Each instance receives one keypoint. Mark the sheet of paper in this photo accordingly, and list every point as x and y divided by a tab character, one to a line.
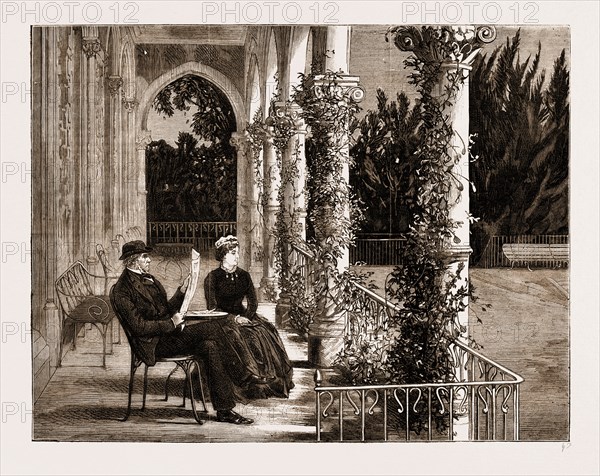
191	290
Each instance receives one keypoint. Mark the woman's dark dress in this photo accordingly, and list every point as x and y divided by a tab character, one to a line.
226	291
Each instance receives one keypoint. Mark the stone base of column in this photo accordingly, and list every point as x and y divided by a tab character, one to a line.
282	311
53	333
323	349
459	254
268	291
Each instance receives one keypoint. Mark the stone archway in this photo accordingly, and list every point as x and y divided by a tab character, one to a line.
144	136
198	69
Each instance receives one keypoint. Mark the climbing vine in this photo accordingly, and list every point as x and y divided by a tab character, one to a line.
328	107
257	133
428	288
282	131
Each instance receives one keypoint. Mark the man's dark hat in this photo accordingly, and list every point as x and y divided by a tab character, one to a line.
134	248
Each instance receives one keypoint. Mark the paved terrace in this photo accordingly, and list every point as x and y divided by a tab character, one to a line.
526	330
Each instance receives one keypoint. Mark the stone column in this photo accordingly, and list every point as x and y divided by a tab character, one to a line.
325	334
49	147
459	45
115	84
269	287
293	181
129	158
139	187
93	111
337	60
245	204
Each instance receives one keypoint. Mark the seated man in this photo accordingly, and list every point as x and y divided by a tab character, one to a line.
159	331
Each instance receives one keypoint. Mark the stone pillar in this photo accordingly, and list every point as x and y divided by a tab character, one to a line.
269	287
245	203
49	119
139	191
460	248
115	84
93	109
459	45
337	59
337	49
293	206
129	154
325	334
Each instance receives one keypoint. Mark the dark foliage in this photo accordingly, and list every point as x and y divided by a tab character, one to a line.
197	180
190	182
385	164
520	125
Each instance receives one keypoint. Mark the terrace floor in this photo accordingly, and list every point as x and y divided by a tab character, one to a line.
526	330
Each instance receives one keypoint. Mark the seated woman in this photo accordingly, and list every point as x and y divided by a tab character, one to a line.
225	289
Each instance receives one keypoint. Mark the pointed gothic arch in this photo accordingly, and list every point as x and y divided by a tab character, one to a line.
199	69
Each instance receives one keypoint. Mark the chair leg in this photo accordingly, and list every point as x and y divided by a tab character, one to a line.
104	332
110	335
74	343
117	331
167	383
60	347
185	382
131	377
145	386
188	375
185	387
205	409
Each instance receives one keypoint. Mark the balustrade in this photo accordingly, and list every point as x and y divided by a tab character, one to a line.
201	234
484	392
489	397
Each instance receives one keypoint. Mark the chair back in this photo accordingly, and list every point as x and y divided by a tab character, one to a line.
73	287
109	271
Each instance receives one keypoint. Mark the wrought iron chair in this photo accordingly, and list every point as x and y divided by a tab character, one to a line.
185	362
81	305
110	274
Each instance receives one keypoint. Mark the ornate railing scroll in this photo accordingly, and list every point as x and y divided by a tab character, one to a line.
485	392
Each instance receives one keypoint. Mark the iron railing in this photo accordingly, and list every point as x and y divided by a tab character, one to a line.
367	313
484	399
493	257
485	394
377	251
201	234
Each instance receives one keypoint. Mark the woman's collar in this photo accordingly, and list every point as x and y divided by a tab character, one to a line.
228	270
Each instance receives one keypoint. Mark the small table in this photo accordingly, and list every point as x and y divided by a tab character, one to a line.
195	316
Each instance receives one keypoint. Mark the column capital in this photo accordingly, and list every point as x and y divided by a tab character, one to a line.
91	46
445	44
240	140
344	86
114	84
291	113
129	104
